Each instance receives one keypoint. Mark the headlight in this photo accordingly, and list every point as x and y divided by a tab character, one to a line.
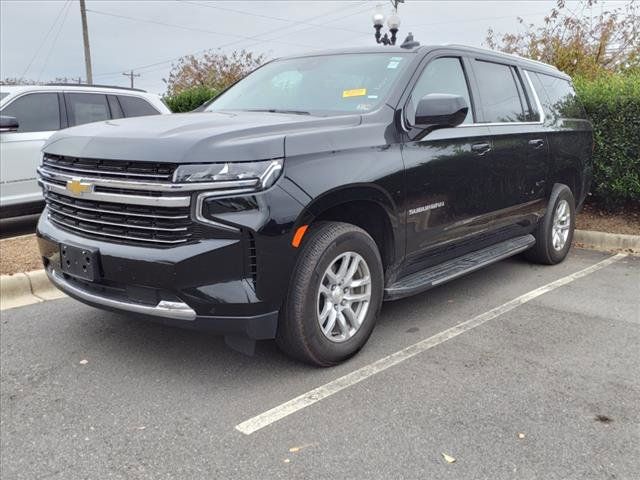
227	180
256	175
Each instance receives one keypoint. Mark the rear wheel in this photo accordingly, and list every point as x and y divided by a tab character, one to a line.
554	233
334	296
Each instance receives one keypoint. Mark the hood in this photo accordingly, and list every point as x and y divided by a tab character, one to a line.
191	137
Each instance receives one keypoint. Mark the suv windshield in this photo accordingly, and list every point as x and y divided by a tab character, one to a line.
323	84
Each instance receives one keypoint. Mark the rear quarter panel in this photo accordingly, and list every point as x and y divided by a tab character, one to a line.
571	148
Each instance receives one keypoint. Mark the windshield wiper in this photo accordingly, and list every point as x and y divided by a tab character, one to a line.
275	110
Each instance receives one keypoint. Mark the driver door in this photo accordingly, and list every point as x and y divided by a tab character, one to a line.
449	182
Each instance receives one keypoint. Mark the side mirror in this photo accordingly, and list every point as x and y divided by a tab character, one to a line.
8	124
440	110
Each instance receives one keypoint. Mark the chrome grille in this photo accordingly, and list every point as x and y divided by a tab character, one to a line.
125	201
117	169
127	223
121	201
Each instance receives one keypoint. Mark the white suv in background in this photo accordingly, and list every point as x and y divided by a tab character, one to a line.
30	114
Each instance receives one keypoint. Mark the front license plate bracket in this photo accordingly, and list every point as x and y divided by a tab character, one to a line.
80	262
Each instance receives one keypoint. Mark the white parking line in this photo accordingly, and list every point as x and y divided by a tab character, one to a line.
306	399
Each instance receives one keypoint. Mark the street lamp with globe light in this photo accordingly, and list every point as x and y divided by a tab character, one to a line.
393	22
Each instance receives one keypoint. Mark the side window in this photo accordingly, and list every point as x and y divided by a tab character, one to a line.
86	108
36	112
442	75
501	101
542	94
116	110
531	110
560	100
136	107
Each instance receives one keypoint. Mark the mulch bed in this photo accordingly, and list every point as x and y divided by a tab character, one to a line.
625	221
19	254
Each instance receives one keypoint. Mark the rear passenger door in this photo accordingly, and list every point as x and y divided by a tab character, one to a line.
520	146
569	133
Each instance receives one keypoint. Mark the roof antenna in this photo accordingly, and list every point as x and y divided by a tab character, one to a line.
409	42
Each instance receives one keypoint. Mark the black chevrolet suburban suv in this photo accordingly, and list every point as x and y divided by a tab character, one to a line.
314	189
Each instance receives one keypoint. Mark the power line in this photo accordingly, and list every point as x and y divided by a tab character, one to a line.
471	20
301	22
55	21
55	39
269	17
434	24
182	27
321	24
255	37
131	75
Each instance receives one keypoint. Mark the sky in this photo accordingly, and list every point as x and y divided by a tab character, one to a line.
42	39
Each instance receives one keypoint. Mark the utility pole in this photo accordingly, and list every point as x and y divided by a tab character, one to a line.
131	75
85	38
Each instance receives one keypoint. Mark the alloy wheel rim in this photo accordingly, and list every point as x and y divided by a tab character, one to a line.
344	296
561	225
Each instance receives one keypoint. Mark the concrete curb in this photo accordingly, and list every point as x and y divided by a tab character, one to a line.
15	291
41	287
26	288
607	241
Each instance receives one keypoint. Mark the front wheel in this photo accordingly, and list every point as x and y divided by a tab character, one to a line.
554	233
334	296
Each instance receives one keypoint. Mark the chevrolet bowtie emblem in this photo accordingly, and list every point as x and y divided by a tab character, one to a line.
78	187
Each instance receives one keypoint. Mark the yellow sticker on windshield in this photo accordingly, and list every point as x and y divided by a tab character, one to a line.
357	92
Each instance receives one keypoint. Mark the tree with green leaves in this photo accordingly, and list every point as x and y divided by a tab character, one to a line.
587	40
213	70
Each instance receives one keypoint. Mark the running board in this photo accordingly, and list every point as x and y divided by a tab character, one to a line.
456	267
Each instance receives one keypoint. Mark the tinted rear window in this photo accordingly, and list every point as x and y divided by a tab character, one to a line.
86	108
501	101
36	112
557	96
136	107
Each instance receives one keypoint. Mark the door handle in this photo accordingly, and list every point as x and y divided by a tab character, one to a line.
481	148
537	143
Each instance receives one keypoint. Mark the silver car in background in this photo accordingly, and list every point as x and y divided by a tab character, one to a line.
30	114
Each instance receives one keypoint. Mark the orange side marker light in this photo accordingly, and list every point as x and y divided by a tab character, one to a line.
297	238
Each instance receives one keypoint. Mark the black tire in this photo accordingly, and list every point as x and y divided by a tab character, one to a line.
544	251
299	332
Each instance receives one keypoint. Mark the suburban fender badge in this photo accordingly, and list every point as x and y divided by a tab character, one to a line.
426	208
78	187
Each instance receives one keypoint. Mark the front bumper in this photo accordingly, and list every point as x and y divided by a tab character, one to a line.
163	309
204	285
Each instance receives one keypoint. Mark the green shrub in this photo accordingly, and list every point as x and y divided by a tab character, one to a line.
613	105
190	99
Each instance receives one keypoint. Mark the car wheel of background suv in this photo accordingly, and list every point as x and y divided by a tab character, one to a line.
334	297
554	233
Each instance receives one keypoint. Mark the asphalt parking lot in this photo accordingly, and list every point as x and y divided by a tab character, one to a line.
549	389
